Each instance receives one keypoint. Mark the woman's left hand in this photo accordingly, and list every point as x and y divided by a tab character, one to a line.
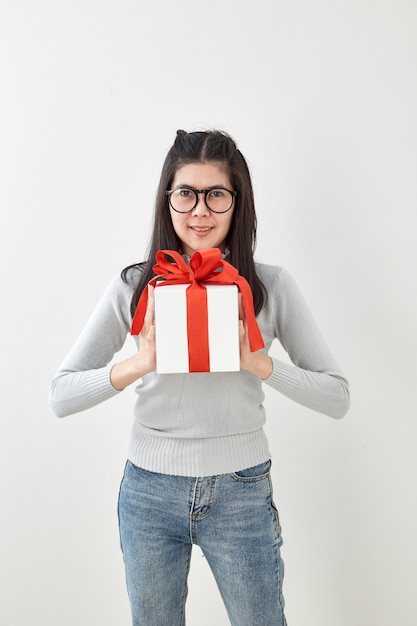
257	362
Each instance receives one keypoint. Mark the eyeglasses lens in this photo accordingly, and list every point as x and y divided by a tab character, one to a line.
218	200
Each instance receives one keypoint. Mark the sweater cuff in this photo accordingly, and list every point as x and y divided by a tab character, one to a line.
284	377
99	385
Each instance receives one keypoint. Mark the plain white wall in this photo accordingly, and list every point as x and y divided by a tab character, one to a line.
322	99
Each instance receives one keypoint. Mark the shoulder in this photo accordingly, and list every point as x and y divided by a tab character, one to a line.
279	284
270	275
119	291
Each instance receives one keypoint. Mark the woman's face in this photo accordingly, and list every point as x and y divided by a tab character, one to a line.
201	228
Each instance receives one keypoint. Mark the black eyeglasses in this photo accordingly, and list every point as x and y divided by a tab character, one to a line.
185	199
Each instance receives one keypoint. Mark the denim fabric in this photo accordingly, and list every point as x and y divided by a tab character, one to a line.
231	517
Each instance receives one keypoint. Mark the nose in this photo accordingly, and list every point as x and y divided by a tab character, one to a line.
201	207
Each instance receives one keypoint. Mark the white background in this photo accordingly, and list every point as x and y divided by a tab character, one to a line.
322	99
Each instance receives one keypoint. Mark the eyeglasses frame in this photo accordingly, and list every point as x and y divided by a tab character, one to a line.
197	192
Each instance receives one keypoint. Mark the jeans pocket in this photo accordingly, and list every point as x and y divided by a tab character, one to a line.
253	474
277	521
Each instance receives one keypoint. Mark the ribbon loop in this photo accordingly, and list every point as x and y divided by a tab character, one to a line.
206	267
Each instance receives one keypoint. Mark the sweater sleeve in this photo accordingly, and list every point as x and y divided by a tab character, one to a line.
313	379
83	379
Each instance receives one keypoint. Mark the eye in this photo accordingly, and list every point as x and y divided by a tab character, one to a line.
216	194
185	193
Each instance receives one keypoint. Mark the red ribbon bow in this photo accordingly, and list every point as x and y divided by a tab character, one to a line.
206	267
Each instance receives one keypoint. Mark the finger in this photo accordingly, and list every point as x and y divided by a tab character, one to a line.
241	310
243	332
149	315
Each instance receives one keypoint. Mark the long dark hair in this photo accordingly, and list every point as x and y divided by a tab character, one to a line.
206	147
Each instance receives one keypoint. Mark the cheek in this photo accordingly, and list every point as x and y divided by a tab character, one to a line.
176	220
229	223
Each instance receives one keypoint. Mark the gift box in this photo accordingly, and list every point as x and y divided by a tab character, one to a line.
214	345
197	313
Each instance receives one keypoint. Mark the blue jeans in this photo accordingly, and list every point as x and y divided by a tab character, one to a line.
231	517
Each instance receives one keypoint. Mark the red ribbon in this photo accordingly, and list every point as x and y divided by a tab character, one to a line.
206	267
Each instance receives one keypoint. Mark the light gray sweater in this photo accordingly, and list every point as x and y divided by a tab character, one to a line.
203	424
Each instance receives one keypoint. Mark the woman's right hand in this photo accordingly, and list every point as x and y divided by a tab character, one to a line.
144	361
146	355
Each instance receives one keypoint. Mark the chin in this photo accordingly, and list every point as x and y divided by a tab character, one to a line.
202	245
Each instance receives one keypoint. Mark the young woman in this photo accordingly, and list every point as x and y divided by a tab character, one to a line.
198	469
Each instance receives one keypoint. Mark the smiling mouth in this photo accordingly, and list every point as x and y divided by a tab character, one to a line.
201	229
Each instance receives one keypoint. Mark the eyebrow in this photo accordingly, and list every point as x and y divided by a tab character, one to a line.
206	189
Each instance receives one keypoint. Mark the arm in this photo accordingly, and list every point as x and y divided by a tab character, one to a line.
85	377
313	378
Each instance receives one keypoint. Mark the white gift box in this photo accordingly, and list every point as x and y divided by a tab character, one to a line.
171	328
